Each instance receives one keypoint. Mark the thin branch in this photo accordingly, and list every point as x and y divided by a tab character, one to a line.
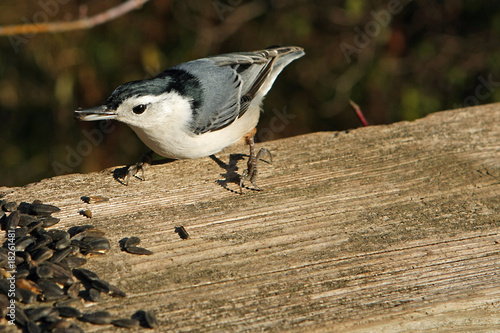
84	23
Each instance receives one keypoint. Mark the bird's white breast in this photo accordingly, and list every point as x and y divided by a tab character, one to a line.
171	137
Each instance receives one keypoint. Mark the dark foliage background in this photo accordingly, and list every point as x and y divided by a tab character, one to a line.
431	56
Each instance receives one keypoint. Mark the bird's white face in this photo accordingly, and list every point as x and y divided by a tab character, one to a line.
146	112
155	113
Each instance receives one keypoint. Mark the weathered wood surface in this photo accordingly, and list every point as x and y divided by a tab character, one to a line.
381	229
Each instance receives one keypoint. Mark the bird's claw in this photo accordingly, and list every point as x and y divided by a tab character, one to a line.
142	165
251	172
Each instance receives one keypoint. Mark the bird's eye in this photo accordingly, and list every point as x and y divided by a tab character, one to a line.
138	109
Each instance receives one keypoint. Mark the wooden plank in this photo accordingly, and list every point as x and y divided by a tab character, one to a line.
380	229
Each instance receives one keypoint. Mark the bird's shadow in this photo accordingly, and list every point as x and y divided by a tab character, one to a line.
230	176
119	174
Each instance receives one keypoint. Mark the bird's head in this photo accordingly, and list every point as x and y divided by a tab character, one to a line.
141	104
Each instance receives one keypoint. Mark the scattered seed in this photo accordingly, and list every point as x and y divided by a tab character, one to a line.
9	206
57	234
50	291
44	272
27	297
60	255
80	228
30	228
146	318
42	254
81	246
88	233
59	325
62	243
24	207
35	314
60	270
68	311
74	290
96	245
63	281
101	285
182	232
132	241
23	242
107	288
94	295
116	292
49	221
22	272
86	212
130	245
28	285
12	220
41	243
73	302
150	319
73	262
26	219
85	275
43	209
51	317
20	232
98	318
51	258
138	250
125	322
74	250
94	199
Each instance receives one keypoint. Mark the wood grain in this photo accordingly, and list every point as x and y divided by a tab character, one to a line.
380	229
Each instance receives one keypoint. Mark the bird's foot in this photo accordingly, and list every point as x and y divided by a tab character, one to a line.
251	173
142	165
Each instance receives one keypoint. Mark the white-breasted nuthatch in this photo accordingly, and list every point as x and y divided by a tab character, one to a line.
200	107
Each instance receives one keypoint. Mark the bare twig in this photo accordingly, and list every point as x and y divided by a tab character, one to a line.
359	113
84	23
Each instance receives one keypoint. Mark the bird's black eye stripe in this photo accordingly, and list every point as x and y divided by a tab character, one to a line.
138	109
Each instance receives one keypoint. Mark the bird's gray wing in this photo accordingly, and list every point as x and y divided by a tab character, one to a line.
253	69
229	84
223	87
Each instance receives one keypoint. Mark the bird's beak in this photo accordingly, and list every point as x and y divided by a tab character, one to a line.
96	113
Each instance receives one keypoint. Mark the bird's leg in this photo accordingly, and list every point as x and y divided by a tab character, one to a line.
142	165
251	172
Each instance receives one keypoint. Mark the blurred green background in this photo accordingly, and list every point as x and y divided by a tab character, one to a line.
398	60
